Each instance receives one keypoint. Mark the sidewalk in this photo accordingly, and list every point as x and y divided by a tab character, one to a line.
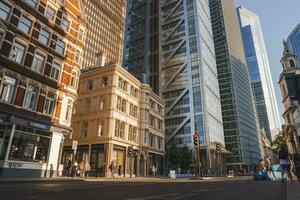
117	179
293	191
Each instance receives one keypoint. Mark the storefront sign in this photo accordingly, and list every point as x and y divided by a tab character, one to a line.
38	125
15	164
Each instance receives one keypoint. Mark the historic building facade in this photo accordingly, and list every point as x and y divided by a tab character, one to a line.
115	111
289	85
41	43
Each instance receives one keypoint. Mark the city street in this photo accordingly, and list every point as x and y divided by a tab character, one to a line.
221	189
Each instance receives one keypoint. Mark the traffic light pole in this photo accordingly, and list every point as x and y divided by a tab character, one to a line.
198	161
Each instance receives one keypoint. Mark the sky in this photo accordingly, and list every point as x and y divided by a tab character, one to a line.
278	18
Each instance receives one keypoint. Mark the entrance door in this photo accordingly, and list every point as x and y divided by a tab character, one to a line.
97	161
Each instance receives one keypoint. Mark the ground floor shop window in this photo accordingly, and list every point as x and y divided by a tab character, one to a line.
29	146
5	132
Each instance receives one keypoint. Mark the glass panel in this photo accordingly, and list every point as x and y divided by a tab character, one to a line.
8	88
38	63
17	52
25	24
44	37
4	11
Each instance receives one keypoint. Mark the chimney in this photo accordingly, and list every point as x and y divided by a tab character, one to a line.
100	59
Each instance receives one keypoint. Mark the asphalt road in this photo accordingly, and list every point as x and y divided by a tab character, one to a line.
105	190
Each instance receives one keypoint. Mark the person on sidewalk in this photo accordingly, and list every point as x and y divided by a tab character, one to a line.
112	169
269	167
284	163
75	168
87	168
68	167
51	170
120	170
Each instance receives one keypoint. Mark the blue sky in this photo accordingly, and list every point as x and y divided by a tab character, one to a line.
278	18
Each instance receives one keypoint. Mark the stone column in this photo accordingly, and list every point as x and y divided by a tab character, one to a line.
108	158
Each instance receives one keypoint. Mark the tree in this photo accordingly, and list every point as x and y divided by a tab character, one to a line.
280	141
178	157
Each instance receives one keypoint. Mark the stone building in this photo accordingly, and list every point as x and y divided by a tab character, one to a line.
114	111
289	81
41	43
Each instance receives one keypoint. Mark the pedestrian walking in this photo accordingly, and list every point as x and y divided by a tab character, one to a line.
120	170
87	168
51	171
269	167
81	169
75	168
112	169
68	167
284	163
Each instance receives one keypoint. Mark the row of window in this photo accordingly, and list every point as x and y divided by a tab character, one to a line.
120	131
123	84
103	82
17	54
8	89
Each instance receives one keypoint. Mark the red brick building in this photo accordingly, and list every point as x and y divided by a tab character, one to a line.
41	44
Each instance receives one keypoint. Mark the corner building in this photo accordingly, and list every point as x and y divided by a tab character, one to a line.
113	112
39	71
239	116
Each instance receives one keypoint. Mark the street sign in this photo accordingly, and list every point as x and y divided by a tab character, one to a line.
74	145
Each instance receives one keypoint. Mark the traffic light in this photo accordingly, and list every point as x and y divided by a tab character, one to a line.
196	140
130	150
218	147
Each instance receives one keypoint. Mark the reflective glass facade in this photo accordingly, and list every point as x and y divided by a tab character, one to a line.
188	79
260	74
294	42
240	130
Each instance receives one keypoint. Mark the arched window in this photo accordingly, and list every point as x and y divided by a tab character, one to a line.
292	64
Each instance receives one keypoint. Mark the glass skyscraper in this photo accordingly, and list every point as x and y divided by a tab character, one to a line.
239	117
293	42
260	74
187	71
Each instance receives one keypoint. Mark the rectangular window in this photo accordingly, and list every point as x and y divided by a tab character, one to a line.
32	3
44	37
8	88
84	128
4	11
30	98
80	34
100	128
50	13
77	56
17	52
104	81
38	63
90	84
60	47
145	136
73	82
30	145
134	133
55	71
25	24
122	130
69	110
119	103
117	128
65	23
123	106
49	104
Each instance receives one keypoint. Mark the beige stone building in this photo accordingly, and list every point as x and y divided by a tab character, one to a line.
113	112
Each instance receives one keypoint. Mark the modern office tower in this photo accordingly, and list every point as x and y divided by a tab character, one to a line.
105	31
141	51
116	112
39	71
188	80
260	73
293	41
239	117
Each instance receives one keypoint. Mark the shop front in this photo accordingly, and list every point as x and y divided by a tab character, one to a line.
25	148
118	157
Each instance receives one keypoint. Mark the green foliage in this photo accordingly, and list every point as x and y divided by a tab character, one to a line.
179	157
280	141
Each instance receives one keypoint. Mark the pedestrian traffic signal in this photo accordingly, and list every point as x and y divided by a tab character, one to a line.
218	147
196	140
